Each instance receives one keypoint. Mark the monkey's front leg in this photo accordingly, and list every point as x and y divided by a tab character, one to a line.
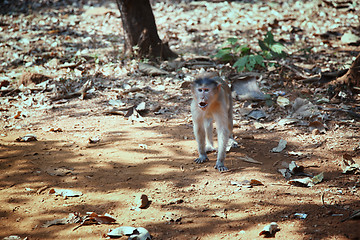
223	137
199	132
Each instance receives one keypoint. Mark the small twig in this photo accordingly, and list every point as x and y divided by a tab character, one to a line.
85	88
351	113
276	163
323	200
292	68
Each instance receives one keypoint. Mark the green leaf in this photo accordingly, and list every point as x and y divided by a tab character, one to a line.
263	46
251	63
232	41
223	53
241	63
269	38
259	60
277	47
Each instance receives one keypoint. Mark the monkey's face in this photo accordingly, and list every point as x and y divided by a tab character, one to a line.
204	96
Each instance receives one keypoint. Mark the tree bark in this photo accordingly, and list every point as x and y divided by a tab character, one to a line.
352	77
349	82
140	30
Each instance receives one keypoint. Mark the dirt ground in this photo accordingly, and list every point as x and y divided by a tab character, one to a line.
155	157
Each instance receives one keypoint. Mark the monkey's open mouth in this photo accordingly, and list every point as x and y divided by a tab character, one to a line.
203	104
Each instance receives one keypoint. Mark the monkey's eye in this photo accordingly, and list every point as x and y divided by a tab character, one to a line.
206	90
200	90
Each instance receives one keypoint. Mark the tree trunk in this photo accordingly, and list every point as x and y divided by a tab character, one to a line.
352	77
350	82
140	30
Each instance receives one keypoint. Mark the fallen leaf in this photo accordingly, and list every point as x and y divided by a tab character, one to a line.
133	115
139	233
17	115
151	70
116	103
318	178
55	130
60	171
95	139
65	192
143	146
98	11
349	165
250	160
102	219
142	201
12	237
281	146
307	182
28	78
141	107
94	218
270	230
254	182
121	231
282	101
303	108
222	213
246	88
257	114
27	138
317	125
349	37
287	121
300	215
72	218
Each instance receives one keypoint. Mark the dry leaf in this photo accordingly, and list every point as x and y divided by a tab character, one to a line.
72	218
254	182
307	182
139	233
27	138
270	230
246	88
142	201
65	192
300	215
250	160
349	165
281	146
317	125
102	219
282	101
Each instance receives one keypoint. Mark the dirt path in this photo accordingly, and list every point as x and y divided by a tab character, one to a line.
156	158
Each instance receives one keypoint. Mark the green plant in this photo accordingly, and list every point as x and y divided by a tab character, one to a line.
271	49
249	62
232	50
242	58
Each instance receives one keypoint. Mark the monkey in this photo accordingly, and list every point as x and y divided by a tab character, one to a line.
212	100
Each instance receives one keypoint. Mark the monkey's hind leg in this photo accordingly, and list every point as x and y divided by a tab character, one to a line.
209	147
223	137
199	132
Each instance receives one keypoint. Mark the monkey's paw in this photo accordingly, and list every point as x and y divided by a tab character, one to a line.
201	159
221	168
